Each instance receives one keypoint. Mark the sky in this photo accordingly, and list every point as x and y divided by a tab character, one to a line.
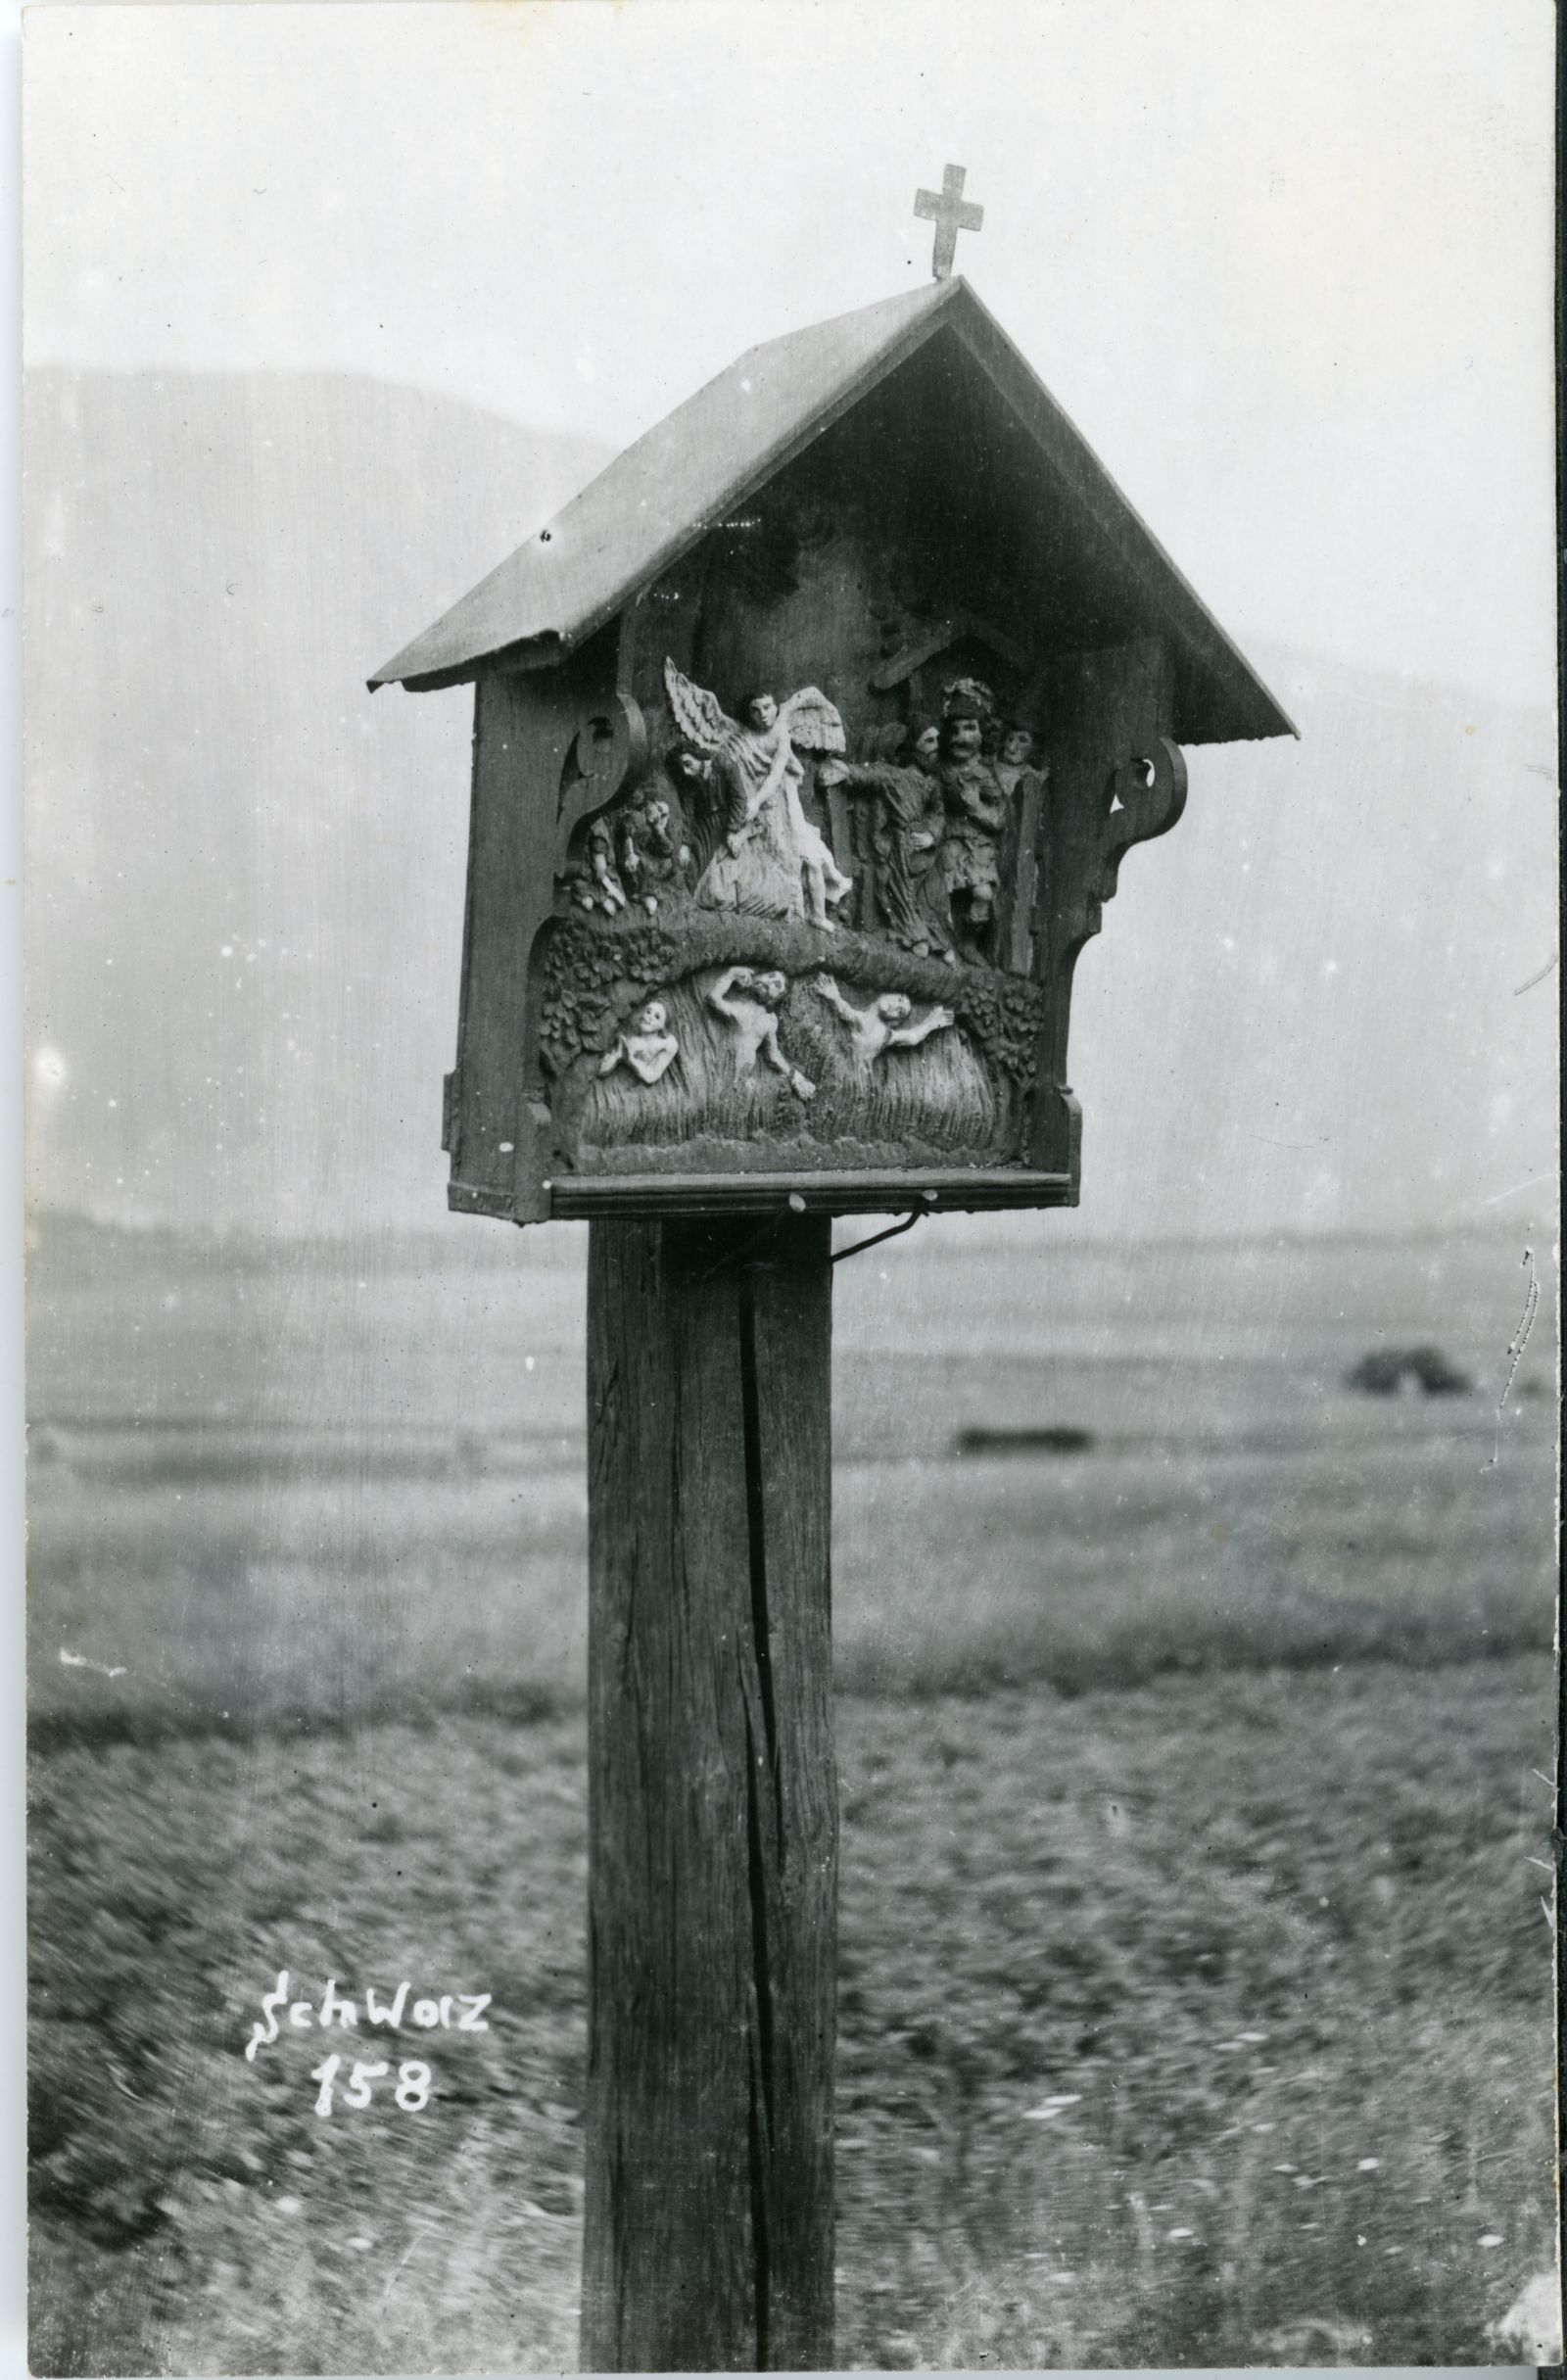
1288	267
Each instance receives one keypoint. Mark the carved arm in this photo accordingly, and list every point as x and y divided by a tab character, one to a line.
717	994
985	804
826	989
860	777
909	1036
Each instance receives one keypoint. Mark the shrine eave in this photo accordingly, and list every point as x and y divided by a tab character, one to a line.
687	473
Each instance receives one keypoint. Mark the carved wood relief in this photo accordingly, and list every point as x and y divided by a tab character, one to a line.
766	956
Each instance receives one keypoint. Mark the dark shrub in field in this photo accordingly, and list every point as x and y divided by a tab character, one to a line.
1387	1370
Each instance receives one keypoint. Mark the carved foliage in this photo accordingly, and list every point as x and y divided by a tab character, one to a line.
589	977
1004	1015
594	972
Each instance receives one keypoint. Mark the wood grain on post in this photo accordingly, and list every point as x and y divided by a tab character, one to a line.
713	1820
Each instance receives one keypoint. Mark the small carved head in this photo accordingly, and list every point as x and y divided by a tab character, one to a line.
1017	745
966	699
961	737
761	711
926	741
685	766
651	1016
893	1008
769	986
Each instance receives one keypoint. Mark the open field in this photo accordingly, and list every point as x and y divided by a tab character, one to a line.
331	1489
1195	1987
1243	1938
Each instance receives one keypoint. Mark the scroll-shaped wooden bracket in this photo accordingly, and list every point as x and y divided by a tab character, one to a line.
1147	795
607	754
1141	796
1116	779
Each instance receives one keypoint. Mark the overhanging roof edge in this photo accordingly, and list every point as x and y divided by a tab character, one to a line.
755	473
1124	515
429	661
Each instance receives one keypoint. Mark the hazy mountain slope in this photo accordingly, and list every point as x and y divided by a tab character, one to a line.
245	873
215	564
1309	997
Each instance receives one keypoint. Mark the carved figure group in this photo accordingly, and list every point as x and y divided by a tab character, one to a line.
629	858
650	863
907	838
730	830
595	881
942	822
768	859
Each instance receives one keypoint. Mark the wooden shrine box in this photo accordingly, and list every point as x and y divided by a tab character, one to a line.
808	741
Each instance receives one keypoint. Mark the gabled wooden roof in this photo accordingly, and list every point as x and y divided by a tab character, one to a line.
691	471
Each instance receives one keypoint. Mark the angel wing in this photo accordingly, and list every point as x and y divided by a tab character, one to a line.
698	715
812	723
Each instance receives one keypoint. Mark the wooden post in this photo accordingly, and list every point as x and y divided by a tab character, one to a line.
712	1799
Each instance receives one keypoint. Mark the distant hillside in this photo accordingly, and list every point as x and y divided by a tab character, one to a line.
214	566
1314	990
245	874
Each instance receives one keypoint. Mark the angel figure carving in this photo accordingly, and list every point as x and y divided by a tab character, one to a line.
770	861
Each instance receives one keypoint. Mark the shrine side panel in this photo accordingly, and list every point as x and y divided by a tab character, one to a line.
498	1128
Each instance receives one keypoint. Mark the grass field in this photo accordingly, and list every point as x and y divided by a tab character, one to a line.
1195	1971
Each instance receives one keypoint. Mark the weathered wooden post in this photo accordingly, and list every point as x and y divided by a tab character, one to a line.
713	1810
808	741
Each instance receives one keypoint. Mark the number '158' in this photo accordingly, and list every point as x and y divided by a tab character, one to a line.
412	2092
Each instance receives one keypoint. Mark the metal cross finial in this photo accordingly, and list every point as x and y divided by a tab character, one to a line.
947	209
